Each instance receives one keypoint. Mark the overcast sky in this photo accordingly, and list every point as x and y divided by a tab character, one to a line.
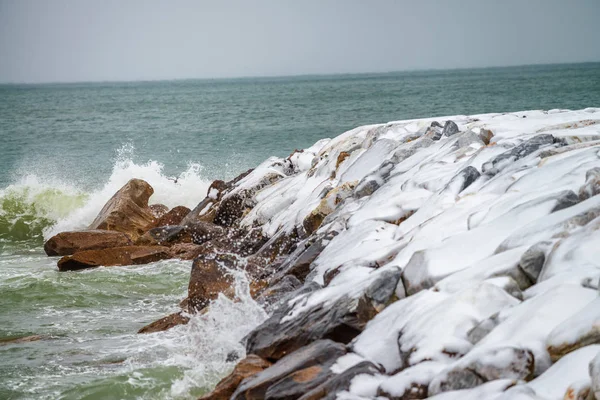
84	40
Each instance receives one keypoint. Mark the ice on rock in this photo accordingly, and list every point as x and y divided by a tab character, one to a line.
528	324
427	267
577	252
553	384
412	382
594	369
488	391
369	160
581	329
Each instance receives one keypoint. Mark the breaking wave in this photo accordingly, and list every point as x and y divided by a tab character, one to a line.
35	208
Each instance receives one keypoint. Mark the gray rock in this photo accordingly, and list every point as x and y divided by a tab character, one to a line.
330	388
591	187
277	337
532	261
481	330
379	294
321	353
370	183
450	128
274	293
516	153
595	376
462	179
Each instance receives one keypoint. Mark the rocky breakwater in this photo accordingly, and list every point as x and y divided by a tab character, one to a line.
448	258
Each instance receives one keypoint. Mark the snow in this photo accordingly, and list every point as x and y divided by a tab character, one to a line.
458	244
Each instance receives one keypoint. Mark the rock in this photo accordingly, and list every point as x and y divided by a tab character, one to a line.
277	337
164	236
516	153
173	217
165	323
246	368
201	232
487	365
580	390
298	383
380	294
595	376
210	276
481	330
158	210
580	330
298	264
486	136
329	203
67	243
433	133
329	390
450	128
591	187
239	241
322	353
128	255
274	293
370	183
186	251
411	383
205	210
341	158
22	339
532	261
463	179
127	211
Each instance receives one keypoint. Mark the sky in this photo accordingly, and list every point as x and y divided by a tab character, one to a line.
110	40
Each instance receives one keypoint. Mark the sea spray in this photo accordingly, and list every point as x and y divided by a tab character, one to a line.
213	341
187	189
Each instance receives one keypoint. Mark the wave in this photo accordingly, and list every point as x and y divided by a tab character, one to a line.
36	208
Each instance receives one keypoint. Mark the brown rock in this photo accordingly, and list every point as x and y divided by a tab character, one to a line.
186	251
165	323
486	136
201	232
67	243
128	255
209	277
341	157
246	368
127	211
168	235
158	210
173	217
321	353
329	389
22	339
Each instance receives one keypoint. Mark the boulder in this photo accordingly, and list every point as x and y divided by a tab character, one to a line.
486	136
595	375
516	153
201	232
591	187
278	335
205	210
321	353
173	217
580	330
158	210
164	236
210	276
410	383
128	255
329	389
487	365
329	203
67	243
186	251
127	211
244	369
165	323
379	294
450	128
274	293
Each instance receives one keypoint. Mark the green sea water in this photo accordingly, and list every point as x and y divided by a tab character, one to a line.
66	148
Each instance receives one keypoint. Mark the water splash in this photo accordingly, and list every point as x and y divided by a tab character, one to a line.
210	339
37	207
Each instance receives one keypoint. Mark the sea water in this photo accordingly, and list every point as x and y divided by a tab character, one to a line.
66	148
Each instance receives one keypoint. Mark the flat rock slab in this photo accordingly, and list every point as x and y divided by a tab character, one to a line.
321	353
246	368
127	255
165	323
67	243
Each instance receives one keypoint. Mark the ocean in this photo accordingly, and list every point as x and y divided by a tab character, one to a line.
66	148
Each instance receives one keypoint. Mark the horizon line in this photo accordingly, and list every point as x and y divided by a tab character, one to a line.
283	76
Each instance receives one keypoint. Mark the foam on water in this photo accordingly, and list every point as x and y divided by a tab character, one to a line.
38	206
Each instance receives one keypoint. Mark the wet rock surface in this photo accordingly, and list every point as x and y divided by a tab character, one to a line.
129	255
67	243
